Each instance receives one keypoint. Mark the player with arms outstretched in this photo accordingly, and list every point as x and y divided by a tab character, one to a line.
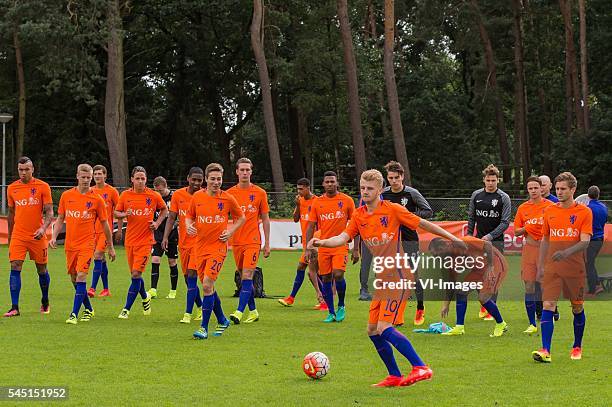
207	220
566	234
138	205
30	214
378	222
83	211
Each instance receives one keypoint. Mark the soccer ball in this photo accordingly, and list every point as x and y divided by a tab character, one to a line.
315	365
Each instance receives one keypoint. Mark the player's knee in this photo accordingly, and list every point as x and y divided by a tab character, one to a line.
16	265
155	259
192	273
99	256
577	307
338	275
81	277
247	274
208	287
41	268
373	330
136	274
172	262
484	297
549	305
326	278
530	287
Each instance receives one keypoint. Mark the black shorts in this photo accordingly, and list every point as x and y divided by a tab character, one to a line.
172	252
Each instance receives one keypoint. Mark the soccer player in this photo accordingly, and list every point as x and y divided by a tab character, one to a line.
487	266
489	215
528	223
566	233
246	243
412	200
110	195
378	222
330	214
30	214
600	217
138	205
546	186
303	202
207	220
83	210
179	205
161	186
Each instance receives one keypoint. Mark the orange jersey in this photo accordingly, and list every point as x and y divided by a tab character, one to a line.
531	217
110	196
81	213
180	203
562	227
142	207
254	203
305	205
28	201
331	216
211	216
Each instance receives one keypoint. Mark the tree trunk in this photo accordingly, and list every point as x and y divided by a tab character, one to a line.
520	112
570	53
583	65
392	98
114	107
296	126
22	96
492	81
257	42
353	89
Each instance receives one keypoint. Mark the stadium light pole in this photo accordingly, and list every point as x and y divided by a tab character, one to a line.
4	119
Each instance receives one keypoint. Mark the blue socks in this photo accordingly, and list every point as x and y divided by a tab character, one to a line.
132	292
530	307
245	294
328	296
341	290
252	306
43	281
461	308
579	322
208	302
192	293
491	307
15	286
104	275
142	291
297	283
403	345
386	354
547	326
79	296
218	310
97	271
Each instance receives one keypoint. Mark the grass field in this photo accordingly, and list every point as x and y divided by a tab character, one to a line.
153	360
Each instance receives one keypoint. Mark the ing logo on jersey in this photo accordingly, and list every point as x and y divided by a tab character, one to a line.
220	206
252	198
572	219
148	201
340	204
384	221
494	203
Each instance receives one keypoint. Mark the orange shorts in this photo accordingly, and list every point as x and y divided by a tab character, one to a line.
207	265
138	257
100	242
185	256
78	261
391	311
331	261
529	262
246	256
572	284
37	249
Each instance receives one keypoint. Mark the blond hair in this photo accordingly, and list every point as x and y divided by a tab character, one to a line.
567	177
213	167
373	176
490	170
84	168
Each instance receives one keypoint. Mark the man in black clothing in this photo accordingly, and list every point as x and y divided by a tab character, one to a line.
161	186
489	215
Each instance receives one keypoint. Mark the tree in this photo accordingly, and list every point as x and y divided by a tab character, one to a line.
392	97
353	90
114	104
257	42
570	63
21	120
583	64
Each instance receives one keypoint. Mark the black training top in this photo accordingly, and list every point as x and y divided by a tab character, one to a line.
411	199
489	214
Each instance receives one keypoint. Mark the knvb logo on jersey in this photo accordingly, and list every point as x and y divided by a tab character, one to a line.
105	196
384	221
572	219
340	204
494	203
33	191
220	206
88	204
148	201
252	198
212	219
404	201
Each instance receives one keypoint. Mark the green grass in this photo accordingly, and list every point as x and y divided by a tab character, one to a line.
153	360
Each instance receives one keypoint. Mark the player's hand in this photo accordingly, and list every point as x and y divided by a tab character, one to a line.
314	242
460	244
488	238
297	200
225	236
266	250
164	244
191	230
111	253
53	244
444	311
39	233
118	236
539	272
153	225
559	255
355	256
